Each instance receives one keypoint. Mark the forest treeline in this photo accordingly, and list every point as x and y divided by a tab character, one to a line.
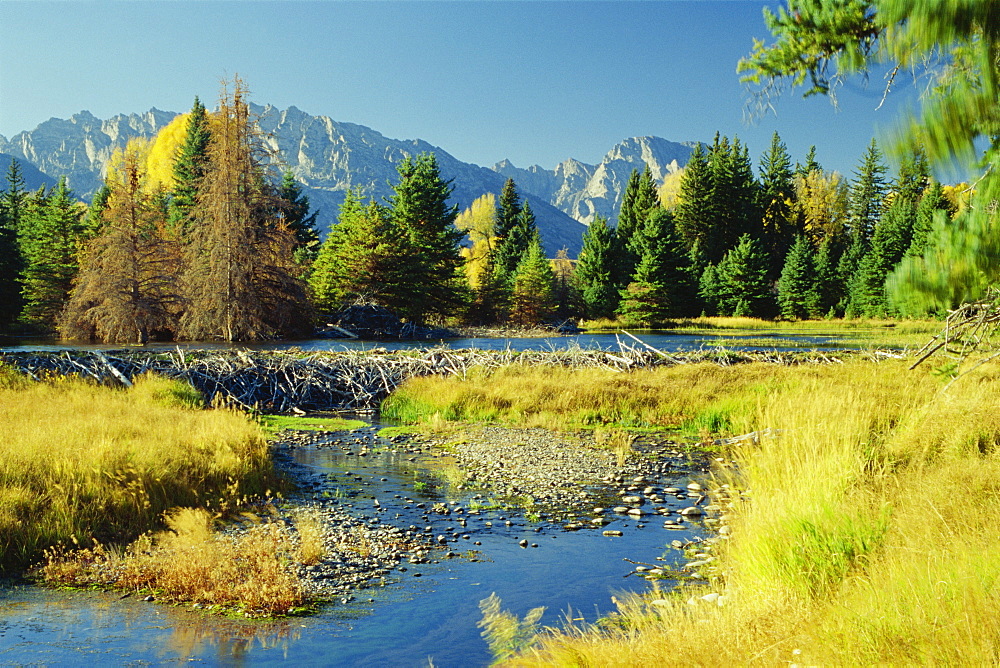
195	236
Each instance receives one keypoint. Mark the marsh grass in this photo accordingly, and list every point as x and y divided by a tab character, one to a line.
867	534
80	462
690	395
311	545
190	562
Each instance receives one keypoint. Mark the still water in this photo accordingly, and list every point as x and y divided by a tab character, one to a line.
668	342
413	621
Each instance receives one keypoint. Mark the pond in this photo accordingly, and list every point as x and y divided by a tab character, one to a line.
665	341
425	614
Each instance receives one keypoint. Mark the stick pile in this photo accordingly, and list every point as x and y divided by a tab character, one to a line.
278	382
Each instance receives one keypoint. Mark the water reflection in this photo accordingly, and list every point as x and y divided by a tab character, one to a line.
666	341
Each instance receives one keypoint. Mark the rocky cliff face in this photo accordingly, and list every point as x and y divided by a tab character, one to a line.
585	191
330	157
78	148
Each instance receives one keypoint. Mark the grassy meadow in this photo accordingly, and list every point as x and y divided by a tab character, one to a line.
81	463
866	534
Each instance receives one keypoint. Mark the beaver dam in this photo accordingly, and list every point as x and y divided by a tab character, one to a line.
289	381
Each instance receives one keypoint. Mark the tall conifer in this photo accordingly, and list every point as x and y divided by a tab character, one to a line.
420	207
240	280
189	166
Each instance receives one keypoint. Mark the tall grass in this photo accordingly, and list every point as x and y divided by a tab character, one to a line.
692	396
250	572
867	534
80	462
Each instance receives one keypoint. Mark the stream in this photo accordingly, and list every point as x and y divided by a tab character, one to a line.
424	615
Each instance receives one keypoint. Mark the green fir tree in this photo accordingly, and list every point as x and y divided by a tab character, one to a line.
797	294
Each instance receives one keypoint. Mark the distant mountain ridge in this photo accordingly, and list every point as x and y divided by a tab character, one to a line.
329	157
585	191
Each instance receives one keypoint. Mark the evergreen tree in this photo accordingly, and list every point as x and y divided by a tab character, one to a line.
368	258
420	207
797	295
660	287
11	263
240	281
868	190
810	165
742	285
595	270
889	243
830	290
49	234
694	212
516	230
638	202
933	204
532	295
127	285
189	166
93	220
295	212
777	192
734	192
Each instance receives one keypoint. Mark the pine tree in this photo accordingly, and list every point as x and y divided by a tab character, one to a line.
810	165
127	285
743	288
366	258
294	210
889	243
830	291
532	295
11	263
49	235
595	270
420	207
240	281
933	204
189	167
638	202
777	192
660	285
694	212
516	230
736	194
797	295
868	190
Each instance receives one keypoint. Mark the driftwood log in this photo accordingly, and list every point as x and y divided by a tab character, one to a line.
278	382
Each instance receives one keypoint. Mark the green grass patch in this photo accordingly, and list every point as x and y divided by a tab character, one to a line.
276	423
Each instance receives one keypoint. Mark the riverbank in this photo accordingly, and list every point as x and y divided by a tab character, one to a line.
867	534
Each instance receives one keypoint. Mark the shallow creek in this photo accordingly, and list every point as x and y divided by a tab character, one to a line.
425	613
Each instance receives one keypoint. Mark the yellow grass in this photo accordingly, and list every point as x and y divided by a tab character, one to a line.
250	572
867	534
81	462
695	396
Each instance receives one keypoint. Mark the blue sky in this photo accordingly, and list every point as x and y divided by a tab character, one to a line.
535	82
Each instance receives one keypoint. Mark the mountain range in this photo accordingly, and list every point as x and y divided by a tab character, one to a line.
329	157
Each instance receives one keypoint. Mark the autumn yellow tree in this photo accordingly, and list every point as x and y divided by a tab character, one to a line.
241	282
